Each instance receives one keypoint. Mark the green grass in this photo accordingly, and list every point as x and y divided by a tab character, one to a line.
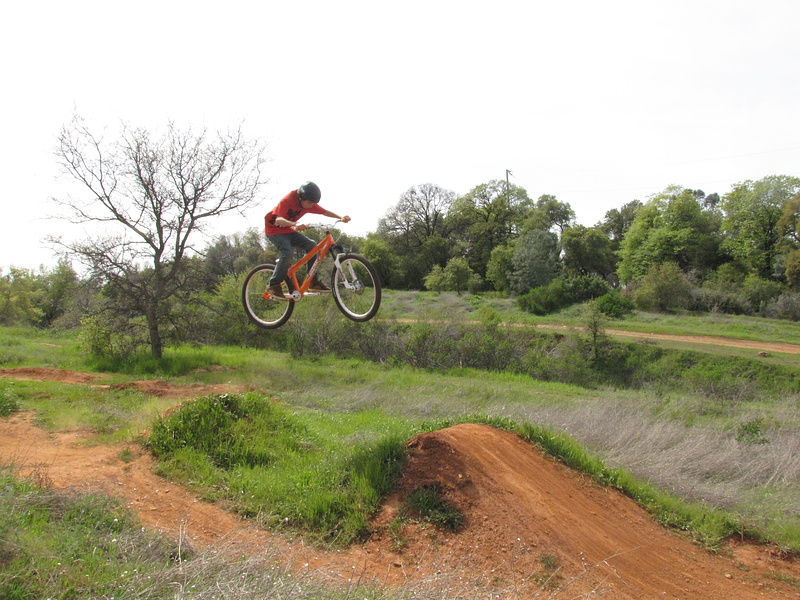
63	545
24	347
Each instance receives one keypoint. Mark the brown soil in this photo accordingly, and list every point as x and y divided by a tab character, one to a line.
530	522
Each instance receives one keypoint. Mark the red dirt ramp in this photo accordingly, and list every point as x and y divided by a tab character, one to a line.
525	511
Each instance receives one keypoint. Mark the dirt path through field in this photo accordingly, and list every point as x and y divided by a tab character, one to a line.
530	522
759	346
710	340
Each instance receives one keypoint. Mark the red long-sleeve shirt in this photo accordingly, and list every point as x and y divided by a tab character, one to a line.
291	209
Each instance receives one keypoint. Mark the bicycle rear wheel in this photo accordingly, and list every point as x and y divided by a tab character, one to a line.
262	309
356	288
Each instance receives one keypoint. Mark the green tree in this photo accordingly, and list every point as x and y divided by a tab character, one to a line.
457	274
58	290
588	251
617	222
385	261
20	293
672	227
237	253
152	194
755	222
435	280
789	225
419	215
536	260
791	268
500	266
488	216
549	214
417	231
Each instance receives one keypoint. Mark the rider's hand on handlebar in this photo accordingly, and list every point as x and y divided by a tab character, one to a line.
301	227
345	219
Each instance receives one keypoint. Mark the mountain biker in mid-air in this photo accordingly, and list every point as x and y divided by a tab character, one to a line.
280	225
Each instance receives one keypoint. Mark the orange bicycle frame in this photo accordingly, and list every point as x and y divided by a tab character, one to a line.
320	249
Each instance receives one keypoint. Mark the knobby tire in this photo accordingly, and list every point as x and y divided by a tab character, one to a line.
264	312
356	288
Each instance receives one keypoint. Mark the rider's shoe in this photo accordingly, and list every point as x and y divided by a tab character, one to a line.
275	291
318	286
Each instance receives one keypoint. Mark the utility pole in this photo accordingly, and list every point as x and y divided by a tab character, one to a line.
508	191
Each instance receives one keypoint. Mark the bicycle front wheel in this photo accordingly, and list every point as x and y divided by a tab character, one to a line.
356	288
262	309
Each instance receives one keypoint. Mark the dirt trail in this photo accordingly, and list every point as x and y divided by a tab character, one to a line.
529	522
784	347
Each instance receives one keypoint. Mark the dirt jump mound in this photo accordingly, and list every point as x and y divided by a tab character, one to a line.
534	523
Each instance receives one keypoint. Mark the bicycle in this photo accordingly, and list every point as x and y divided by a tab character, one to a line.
354	285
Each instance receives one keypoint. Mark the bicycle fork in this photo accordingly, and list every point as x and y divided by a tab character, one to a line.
348	275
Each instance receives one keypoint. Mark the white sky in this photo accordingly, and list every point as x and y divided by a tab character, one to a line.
597	103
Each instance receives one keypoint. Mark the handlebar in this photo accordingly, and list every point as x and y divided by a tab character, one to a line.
319	225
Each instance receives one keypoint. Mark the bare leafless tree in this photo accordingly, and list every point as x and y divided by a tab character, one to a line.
419	215
148	196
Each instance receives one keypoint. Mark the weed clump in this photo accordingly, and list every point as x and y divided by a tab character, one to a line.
9	399
428	503
267	464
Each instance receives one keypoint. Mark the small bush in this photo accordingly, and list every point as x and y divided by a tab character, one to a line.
664	288
561	293
9	399
231	430
105	337
586	287
546	299
710	299
760	292
614	305
752	432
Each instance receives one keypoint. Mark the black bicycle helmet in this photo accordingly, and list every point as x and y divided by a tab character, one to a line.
309	191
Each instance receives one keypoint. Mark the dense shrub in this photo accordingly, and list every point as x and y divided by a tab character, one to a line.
216	425
546	299
786	306
614	305
759	292
711	299
664	288
586	287
561	293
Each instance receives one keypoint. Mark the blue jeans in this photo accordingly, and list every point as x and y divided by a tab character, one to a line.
285	243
